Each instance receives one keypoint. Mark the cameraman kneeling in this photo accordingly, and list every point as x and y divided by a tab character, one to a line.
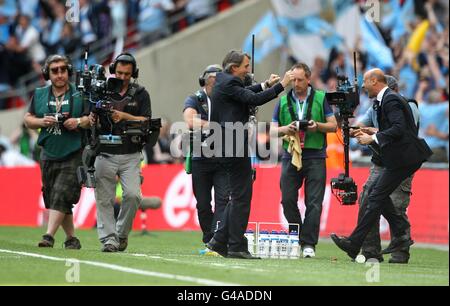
123	160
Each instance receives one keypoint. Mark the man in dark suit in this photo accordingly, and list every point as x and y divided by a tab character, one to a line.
400	151
230	109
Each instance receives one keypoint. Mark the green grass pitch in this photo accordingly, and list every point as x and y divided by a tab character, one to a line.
172	258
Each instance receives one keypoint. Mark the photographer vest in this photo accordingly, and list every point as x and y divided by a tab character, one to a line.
315	111
58	146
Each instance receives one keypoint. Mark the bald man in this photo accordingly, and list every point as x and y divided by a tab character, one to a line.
402	153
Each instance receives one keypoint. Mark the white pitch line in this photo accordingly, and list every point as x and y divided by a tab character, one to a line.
221	265
200	281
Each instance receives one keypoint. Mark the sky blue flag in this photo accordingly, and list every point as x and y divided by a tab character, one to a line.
316	25
267	37
399	16
380	55
312	25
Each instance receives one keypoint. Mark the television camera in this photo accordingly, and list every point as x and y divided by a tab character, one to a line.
99	92
346	99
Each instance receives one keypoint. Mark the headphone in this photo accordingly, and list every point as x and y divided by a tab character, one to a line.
209	69
56	58
126	58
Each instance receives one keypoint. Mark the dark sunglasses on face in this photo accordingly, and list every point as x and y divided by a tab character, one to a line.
61	69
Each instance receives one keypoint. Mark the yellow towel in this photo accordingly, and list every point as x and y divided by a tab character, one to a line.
295	149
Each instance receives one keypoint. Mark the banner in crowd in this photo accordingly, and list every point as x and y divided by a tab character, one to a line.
22	203
308	28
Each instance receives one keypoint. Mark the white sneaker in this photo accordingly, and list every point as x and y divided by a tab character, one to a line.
308	252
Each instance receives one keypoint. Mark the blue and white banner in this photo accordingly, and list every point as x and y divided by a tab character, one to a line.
267	37
379	54
312	28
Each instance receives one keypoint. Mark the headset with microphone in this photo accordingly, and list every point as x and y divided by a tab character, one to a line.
210	69
52	59
125	58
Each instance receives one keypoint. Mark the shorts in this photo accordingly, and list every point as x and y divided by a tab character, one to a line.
60	187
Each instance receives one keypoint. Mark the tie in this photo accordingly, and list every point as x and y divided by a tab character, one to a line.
376	105
377	108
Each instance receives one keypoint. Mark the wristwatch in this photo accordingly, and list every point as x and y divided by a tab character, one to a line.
78	122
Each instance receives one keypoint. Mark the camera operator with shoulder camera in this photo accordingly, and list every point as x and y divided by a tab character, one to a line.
371	247
303	117
122	159
58	111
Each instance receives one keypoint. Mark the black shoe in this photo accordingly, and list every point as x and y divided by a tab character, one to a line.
72	244
398	244
219	248
123	243
399	259
242	255
109	248
46	242
345	245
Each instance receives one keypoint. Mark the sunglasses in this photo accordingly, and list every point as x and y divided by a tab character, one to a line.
61	69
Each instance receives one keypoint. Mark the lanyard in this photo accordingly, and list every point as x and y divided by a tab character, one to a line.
301	110
56	102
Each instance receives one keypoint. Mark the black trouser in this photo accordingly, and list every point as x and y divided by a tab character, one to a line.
238	172
379	202
400	198
205	175
313	173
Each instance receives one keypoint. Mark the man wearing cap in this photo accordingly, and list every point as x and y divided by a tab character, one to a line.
400	197
196	114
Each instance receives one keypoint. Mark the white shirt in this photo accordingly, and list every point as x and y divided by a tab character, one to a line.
381	94
379	98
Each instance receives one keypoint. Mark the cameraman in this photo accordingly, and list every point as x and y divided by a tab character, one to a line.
309	107
123	160
57	110
204	171
400	197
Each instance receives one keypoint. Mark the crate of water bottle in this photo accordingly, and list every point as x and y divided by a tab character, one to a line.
274	240
252	237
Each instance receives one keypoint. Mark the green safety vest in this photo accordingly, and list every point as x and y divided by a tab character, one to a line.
58	146
313	140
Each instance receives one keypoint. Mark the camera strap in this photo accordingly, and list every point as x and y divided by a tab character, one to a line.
309	103
290	103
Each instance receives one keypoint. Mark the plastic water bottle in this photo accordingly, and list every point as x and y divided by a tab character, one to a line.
274	244
250	235
294	245
283	245
263	250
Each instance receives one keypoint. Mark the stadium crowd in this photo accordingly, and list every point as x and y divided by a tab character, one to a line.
32	30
